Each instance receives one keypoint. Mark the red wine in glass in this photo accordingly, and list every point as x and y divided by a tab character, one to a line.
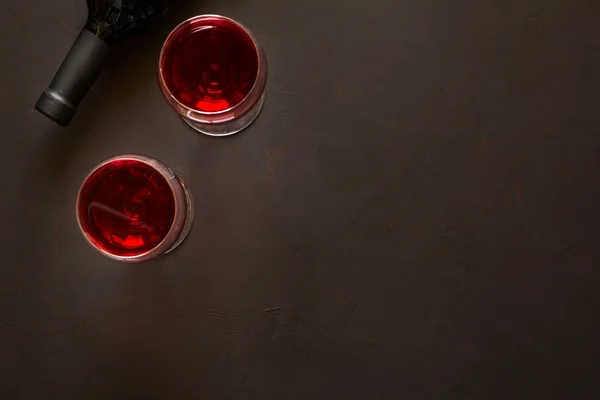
213	72
133	208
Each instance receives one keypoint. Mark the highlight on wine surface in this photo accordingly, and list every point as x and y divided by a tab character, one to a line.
108	21
213	72
133	208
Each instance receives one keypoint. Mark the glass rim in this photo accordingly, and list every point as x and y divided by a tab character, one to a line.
233	112
180	199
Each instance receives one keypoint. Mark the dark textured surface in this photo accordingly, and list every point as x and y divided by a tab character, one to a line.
414	215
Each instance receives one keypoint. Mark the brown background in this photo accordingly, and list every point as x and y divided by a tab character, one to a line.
414	215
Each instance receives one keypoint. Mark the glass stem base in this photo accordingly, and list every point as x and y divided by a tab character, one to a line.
189	218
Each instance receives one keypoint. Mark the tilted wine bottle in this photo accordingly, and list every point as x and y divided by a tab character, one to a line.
108	21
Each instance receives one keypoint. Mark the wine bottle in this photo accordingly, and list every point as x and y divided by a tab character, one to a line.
108	21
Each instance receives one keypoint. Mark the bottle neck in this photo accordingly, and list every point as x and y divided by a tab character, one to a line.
79	70
108	21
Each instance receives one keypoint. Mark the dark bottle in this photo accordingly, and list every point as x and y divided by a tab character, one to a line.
107	22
